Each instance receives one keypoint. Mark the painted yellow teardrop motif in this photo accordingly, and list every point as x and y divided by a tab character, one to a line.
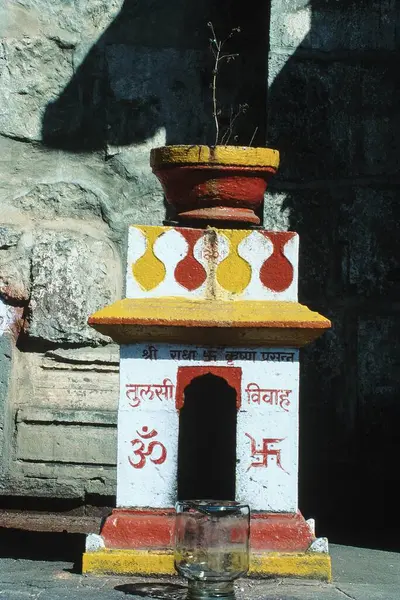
148	270
234	272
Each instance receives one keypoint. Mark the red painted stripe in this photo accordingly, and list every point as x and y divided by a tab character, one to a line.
280	532
148	528
139	529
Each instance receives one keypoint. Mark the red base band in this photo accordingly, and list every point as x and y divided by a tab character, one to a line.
154	528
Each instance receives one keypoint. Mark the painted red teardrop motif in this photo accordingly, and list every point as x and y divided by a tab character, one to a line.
277	272
189	272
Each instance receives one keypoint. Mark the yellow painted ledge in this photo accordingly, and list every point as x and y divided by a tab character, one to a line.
309	565
243	156
212	322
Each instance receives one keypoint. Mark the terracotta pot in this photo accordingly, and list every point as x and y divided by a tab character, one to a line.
221	183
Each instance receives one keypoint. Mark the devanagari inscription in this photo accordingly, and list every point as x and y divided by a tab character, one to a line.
142	392
277	356
250	355
183	354
210	355
150	353
269	396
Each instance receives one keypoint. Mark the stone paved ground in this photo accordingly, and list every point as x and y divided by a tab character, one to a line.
359	574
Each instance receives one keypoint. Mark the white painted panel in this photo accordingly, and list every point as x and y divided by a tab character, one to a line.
267	436
256	249
269	411
137	245
291	251
147	384
147	458
171	247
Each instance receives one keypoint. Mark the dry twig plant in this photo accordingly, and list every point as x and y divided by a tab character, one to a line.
216	47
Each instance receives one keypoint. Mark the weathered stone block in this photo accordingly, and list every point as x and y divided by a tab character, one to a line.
149	89
63	479
378	390
313	214
5	374
60	199
78	378
276	211
72	276
9	327
379	377
74	437
33	71
14	265
132	163
369	234
67	21
290	23
82	191
333	120
339	25
9	236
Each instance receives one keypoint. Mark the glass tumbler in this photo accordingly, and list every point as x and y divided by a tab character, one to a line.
211	546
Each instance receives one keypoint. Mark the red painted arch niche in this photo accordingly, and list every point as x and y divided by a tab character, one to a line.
232	376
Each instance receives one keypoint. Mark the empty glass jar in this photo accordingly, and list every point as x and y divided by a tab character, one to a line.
211	546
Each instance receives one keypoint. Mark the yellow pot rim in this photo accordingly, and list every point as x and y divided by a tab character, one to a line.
242	156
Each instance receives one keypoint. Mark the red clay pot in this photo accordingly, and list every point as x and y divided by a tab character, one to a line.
221	183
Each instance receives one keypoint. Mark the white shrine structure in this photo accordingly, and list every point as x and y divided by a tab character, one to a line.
210	332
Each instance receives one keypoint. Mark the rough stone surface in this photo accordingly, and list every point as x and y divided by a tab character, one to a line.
358	573
5	372
371	241
86	379
24	92
323	102
327	27
61	403
14	264
86	89
65	266
37	442
331	111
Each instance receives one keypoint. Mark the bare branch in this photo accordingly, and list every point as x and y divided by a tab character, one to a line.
228	133
216	50
228	56
253	136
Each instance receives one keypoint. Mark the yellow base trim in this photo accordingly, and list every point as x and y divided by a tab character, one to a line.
128	562
309	565
209	313
241	323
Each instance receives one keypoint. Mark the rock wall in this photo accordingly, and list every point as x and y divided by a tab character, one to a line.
333	112
87	88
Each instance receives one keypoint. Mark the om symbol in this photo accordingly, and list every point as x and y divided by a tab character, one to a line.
141	453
